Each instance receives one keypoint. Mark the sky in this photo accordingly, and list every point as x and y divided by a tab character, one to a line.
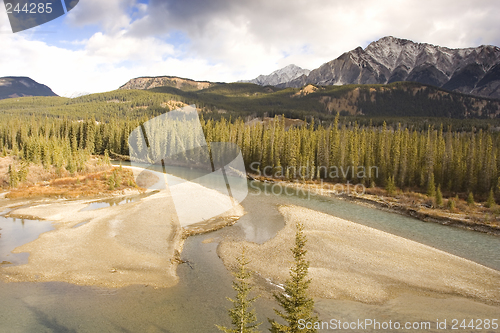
101	44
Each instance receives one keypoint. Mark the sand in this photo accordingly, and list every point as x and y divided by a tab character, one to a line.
117	246
357	263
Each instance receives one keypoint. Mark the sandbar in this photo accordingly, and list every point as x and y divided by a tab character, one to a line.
349	261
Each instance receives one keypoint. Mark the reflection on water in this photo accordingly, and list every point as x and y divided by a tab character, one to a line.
16	232
116	201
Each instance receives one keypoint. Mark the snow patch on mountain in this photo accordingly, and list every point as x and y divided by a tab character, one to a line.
279	76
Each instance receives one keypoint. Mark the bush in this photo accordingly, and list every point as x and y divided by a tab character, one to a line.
451	204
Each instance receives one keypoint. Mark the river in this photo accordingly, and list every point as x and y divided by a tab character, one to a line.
198	301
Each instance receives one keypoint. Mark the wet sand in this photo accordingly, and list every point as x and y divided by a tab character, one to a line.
136	243
110	247
357	263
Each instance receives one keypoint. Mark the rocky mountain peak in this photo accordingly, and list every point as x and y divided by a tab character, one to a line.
279	76
474	70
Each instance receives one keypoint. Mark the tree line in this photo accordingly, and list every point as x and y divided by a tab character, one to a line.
459	162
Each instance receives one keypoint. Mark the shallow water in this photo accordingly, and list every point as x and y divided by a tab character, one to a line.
16	232
198	301
112	202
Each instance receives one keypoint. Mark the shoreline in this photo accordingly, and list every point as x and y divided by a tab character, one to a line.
372	269
390	204
138	243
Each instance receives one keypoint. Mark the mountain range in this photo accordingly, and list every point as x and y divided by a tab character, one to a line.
148	82
21	86
474	70
390	77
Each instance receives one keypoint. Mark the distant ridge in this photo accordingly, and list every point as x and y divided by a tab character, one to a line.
474	70
21	86
148	82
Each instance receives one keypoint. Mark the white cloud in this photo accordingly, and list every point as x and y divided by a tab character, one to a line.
229	40
111	15
120	47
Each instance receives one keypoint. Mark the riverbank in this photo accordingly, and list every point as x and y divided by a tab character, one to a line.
410	204
110	247
139	242
353	262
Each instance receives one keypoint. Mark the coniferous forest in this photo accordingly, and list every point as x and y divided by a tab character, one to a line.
458	161
460	155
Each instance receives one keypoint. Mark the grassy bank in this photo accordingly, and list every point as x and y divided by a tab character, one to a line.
96	179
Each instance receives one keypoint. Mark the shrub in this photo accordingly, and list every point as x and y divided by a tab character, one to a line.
390	186
451	204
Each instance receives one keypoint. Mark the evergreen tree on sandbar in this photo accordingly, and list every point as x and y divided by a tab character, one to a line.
294	299
243	317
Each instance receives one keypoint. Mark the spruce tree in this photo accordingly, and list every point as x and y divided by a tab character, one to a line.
13	177
431	187
439	197
243	317
294	299
390	187
71	165
451	204
470	199
491	199
111	182
118	178
23	172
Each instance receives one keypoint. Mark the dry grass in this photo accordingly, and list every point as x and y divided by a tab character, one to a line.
50	182
91	184
38	173
477	212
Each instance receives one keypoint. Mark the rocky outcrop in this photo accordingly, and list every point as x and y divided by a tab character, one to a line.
143	83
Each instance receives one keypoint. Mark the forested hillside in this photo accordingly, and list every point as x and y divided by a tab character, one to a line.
457	161
409	103
460	154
